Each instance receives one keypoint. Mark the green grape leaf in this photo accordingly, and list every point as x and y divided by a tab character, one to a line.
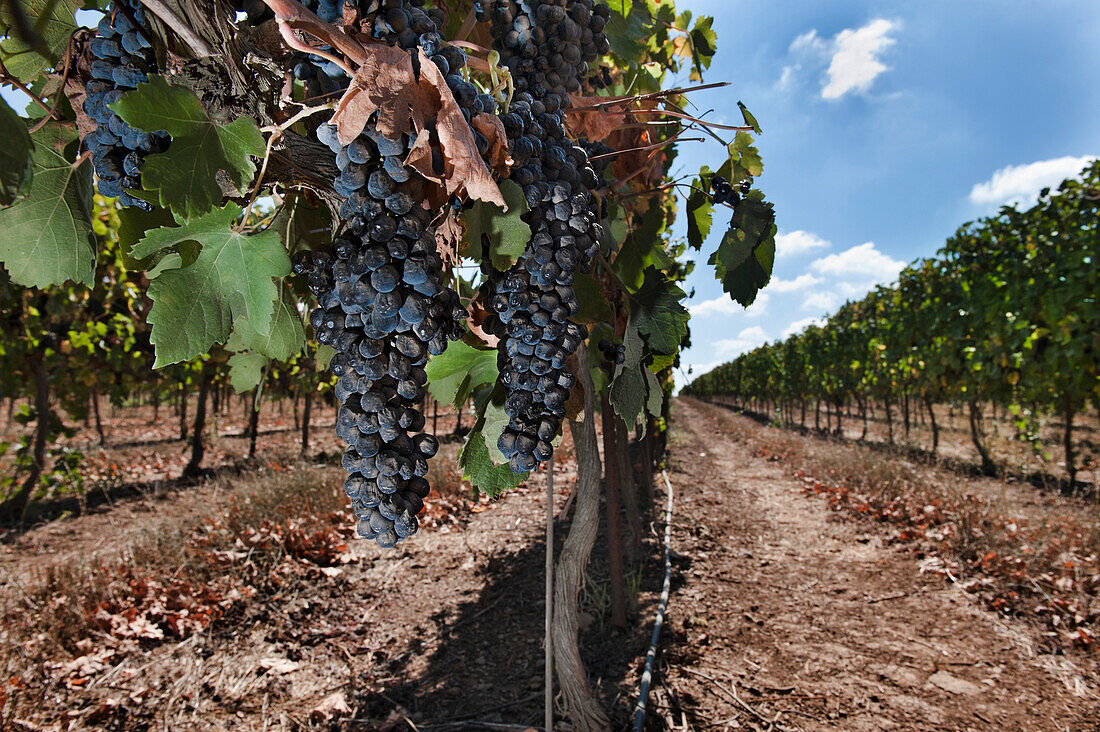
185	177
661	361
703	43
246	370
323	357
627	31
458	371
481	461
655	395
54	20
750	120
642	248
196	306
505	232
594	307
16	159
285	339
744	258
661	318
628	386
47	236
700	215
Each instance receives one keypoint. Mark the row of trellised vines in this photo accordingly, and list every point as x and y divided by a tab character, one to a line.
1006	314
468	198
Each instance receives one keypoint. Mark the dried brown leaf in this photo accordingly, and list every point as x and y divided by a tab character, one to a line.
448	238
386	83
492	128
593	125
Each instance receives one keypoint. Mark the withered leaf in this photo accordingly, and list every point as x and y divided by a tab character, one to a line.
492	128
386	83
592	124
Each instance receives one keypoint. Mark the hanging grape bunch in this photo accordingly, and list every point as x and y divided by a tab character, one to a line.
382	302
547	47
613	353
723	192
123	59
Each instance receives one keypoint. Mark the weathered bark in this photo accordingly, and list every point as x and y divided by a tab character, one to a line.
932	422
253	424
307	414
905	413
183	409
98	420
628	490
13	508
1068	411
978	438
198	430
581	706
614	532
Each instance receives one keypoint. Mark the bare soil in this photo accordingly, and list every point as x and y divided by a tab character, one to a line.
783	616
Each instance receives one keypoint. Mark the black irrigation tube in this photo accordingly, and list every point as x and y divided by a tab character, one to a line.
651	655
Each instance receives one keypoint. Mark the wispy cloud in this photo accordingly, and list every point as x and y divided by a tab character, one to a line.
746	340
724	305
854	56
800	325
861	263
1015	184
792	243
801	282
821	301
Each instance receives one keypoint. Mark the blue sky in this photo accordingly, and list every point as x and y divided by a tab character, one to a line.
886	126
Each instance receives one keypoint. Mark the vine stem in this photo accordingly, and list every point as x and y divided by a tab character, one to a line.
7	78
60	91
548	702
169	17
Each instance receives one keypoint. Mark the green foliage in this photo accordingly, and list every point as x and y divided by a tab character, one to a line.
480	460
197	305
184	178
744	258
661	319
53	20
502	233
16	157
460	370
47	236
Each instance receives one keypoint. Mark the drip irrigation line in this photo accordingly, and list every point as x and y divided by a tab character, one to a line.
662	606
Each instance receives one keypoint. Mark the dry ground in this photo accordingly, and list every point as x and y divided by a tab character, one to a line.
783	616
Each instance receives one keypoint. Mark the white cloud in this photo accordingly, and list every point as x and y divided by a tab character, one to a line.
746	340
724	305
786	79
801	282
821	301
853	54
1014	184
855	63
799	325
862	263
797	242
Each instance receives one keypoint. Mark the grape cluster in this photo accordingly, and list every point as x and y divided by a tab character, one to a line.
547	46
723	192
613	353
383	307
123	59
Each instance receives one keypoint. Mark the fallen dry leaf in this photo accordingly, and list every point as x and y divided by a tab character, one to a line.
279	666
332	706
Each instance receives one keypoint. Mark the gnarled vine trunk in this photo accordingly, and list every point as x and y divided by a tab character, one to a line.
13	508
198	443
581	706
977	436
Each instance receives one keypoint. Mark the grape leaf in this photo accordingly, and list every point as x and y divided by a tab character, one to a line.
16	170
659	313
593	303
196	306
628	386
505	231
655	395
627	31
455	373
744	258
642	248
184	178
47	237
750	120
246	370
285	339
481	461
55	21
700	215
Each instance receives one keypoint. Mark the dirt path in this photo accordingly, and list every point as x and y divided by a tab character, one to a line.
818	626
